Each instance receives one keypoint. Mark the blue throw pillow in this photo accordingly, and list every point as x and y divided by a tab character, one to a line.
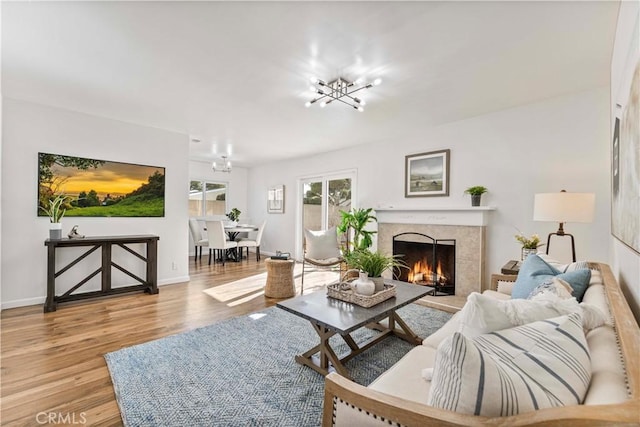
535	271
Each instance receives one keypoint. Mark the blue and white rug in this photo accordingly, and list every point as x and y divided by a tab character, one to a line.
241	372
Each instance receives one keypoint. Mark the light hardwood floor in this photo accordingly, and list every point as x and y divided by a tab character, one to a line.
52	363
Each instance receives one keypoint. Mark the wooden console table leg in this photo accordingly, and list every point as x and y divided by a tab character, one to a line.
152	266
106	267
50	303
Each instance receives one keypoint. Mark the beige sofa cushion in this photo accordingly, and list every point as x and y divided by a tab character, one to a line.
608	383
452	325
404	379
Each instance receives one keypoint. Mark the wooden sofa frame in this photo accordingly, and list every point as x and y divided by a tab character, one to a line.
397	411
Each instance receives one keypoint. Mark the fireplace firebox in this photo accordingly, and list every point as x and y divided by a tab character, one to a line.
432	262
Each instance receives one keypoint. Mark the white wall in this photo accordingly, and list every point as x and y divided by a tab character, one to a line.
624	261
236	189
544	147
29	129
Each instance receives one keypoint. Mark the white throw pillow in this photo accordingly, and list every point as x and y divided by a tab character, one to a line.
540	365
483	314
322	244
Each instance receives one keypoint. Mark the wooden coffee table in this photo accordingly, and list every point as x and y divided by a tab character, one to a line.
330	316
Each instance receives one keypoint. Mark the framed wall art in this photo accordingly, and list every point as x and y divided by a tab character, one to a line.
275	199
427	174
100	188
625	169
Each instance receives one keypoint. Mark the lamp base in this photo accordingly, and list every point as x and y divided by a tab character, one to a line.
562	233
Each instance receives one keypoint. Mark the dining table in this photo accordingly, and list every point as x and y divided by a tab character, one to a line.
232	232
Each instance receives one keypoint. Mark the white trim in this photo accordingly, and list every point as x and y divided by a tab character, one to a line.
40	300
472	216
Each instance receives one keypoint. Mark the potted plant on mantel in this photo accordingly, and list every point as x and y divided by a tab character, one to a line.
55	211
476	193
374	264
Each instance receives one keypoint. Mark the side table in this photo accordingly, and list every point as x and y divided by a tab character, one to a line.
280	282
511	267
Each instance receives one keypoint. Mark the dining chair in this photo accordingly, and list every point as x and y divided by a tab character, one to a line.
197	235
250	243
321	250
218	240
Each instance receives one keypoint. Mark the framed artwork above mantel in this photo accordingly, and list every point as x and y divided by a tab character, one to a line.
427	174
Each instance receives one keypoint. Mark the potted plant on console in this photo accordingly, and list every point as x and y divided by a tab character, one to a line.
374	264
55	211
476	193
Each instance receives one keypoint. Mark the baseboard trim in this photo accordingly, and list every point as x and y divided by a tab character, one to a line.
22	302
40	300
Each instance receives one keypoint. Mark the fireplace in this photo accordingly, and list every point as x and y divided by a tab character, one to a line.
466	225
432	262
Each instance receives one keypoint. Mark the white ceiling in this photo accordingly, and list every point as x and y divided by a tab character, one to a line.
238	72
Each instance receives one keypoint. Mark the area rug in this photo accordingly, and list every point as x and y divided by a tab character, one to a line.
241	372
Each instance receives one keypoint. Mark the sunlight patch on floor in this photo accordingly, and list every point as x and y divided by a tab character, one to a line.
243	290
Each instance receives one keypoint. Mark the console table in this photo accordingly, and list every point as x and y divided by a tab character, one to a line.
106	243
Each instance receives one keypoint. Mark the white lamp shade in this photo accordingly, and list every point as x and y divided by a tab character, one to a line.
564	207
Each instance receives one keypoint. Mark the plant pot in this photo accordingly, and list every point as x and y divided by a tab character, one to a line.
526	252
363	285
475	199
379	282
55	231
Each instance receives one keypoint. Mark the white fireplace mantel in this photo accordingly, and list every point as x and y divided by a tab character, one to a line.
446	215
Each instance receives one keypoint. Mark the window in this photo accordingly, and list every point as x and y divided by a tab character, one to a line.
321	200
211	201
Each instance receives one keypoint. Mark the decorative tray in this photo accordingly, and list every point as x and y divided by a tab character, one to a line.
343	292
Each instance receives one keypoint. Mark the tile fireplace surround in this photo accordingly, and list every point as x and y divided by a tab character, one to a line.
466	225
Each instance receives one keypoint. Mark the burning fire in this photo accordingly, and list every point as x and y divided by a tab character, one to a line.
422	273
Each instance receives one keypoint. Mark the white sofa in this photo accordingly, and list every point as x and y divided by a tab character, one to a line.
400	395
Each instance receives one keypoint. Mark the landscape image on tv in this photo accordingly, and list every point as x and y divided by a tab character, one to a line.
100	187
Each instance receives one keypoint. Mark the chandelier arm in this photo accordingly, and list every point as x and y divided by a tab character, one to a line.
320	98
345	102
358	89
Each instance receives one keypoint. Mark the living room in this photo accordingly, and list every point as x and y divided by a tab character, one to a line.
559	138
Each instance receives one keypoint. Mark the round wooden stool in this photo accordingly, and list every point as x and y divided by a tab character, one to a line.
279	278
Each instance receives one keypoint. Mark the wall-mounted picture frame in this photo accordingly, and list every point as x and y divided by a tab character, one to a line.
100	188
625	185
275	199
427	174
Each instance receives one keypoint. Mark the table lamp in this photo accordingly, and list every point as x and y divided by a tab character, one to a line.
564	207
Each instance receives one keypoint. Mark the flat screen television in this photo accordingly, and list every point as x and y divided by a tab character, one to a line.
101	187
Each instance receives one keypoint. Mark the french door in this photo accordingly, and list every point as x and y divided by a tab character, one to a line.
321	200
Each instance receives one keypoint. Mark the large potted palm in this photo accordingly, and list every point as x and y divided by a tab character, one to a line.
353	224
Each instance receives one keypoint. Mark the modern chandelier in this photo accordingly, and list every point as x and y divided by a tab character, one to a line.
224	166
340	90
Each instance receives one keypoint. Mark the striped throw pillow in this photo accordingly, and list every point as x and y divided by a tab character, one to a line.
539	365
